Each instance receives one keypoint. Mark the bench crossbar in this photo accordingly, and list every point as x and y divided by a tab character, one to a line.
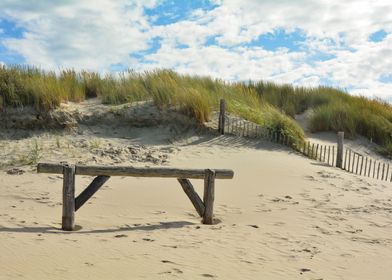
160	172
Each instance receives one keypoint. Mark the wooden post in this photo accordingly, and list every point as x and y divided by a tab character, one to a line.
192	195
325	149
90	190
382	174
312	151
221	126
349	160
255	130
339	157
391	177
245	128
386	176
209	196
352	168
364	173
360	171
329	151
356	170
370	167
374	168
68	218
378	169
333	155
345	160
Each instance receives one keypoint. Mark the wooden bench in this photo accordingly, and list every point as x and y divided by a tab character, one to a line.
71	204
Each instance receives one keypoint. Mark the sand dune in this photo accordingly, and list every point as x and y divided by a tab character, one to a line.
283	216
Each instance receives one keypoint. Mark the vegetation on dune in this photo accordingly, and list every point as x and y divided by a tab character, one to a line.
268	104
333	110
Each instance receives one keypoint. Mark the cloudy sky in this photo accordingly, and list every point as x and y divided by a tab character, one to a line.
347	44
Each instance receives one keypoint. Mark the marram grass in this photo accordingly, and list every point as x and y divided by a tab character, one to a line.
268	104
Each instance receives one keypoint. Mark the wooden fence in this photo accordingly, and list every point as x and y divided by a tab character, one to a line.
366	166
345	158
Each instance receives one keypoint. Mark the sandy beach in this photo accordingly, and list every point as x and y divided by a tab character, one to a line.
283	216
195	140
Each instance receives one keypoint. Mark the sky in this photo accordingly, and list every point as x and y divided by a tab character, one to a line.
345	44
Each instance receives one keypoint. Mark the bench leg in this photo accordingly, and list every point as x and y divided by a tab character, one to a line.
68	218
209	196
192	195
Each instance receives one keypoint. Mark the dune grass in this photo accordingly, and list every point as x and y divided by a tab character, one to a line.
334	110
268	104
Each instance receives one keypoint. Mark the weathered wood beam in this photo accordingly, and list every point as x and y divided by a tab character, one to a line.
192	195
90	190
135	172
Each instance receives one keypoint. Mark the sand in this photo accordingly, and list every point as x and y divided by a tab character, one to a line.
283	216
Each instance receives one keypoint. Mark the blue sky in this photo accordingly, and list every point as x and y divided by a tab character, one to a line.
302	42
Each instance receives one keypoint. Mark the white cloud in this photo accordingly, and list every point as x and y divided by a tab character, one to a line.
338	29
94	35
78	34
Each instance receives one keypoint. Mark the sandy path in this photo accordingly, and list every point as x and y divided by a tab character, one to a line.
282	217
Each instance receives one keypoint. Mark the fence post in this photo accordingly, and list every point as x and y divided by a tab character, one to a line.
68	218
339	157
209	196
221	125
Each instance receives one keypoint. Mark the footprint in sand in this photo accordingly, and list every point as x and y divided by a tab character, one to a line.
254	226
170	246
174	270
310	178
326	174
286	199
148	239
158	212
208	275
303	270
322	230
